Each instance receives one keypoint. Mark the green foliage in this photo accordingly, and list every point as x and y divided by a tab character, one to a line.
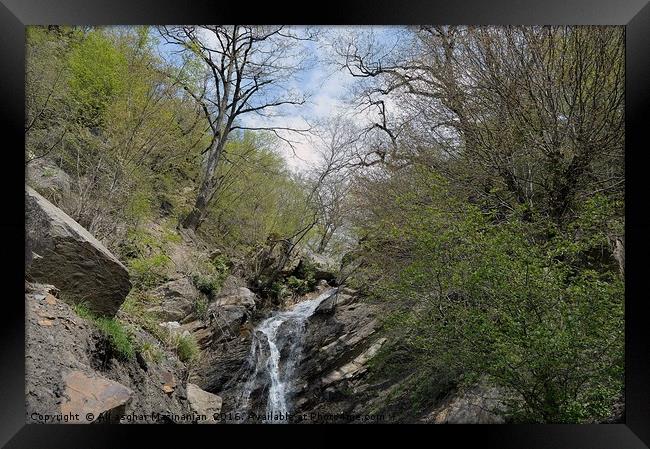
147	272
136	304
116	333
297	286
480	298
209	284
257	197
278	290
201	308
185	346
213	274
97	71
151	352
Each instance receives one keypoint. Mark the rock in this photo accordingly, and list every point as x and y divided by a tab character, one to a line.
68	256
329	304
73	343
356	366
177	299
90	395
480	404
239	296
224	338
171	326
169	382
48	177
203	403
326	275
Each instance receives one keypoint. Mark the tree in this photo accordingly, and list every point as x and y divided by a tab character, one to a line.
337	142
524	118
245	74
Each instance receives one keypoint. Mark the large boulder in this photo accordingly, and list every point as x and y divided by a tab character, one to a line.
65	254
238	296
204	403
94	397
177	299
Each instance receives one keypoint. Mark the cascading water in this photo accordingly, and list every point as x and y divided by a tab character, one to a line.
275	351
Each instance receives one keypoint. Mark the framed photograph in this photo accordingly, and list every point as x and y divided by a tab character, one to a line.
378	214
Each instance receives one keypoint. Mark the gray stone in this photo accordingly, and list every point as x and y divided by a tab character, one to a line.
204	403
177	299
68	256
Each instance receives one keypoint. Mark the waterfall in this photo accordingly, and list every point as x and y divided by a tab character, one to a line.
276	350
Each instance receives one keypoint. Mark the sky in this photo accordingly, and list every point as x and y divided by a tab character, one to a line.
328	89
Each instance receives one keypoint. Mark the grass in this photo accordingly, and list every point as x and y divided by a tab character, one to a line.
116	333
135	306
151	352
185	347
201	308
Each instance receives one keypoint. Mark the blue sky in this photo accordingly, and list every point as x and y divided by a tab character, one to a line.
328	89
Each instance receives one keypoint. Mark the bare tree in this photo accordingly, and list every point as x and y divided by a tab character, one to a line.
528	117
338	142
246	73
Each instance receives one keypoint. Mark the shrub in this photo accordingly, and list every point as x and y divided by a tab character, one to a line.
298	286
201	308
117	335
185	347
208	284
148	272
503	301
151	352
278	290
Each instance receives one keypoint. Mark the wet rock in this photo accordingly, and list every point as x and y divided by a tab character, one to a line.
356	366
328	305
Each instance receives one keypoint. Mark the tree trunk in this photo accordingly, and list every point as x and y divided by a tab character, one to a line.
194	218
325	239
207	189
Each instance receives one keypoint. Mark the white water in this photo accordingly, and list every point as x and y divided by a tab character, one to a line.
280	334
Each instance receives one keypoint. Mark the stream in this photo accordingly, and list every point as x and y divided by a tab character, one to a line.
275	352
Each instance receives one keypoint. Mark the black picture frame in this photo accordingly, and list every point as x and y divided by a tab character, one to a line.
16	14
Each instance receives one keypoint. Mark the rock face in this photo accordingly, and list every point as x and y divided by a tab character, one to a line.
480	404
225	338
67	255
48	177
92	395
177	299
340	341
204	403
69	367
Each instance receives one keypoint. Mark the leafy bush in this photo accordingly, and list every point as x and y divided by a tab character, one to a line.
298	286
208	284
148	272
278	290
485	299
